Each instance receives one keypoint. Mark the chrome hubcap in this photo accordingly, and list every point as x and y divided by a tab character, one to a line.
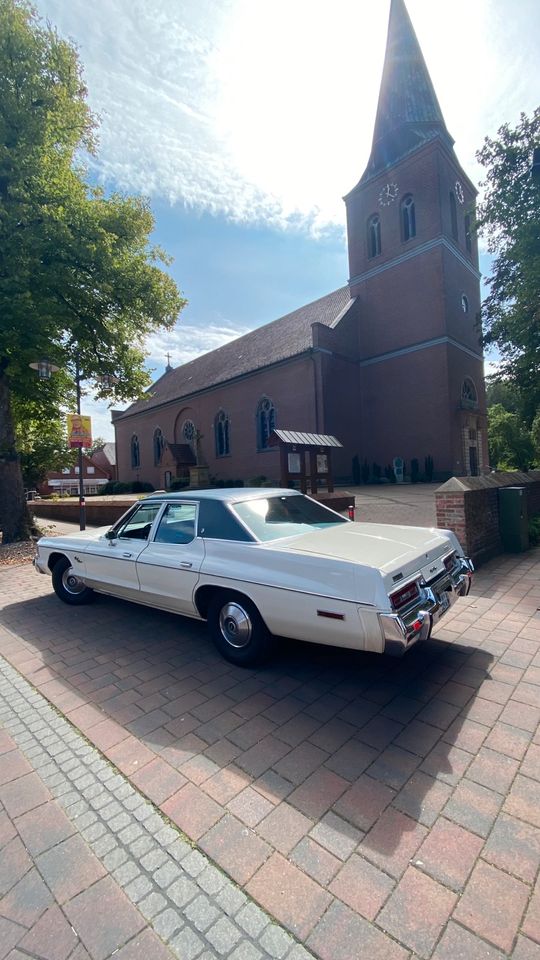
235	625
71	583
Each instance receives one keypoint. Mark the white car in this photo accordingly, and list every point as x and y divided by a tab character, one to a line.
255	563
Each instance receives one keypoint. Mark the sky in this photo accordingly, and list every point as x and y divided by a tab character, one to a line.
245	122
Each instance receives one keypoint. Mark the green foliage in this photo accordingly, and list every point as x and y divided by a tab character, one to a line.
415	471
389	473
509	218
79	281
377	472
510	444
534	531
365	472
115	487
179	483
428	468
356	470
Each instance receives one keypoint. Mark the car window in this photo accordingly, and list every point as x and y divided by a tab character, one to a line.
217	522
178	523
272	518
138	525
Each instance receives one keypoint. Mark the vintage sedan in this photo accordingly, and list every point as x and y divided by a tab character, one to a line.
258	563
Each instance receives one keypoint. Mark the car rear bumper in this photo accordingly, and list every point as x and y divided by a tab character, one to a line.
402	632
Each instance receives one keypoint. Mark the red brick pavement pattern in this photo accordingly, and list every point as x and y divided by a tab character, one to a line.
52	887
360	800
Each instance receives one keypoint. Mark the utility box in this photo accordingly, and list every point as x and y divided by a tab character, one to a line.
514	519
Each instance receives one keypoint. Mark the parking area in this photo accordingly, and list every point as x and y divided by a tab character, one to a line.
375	808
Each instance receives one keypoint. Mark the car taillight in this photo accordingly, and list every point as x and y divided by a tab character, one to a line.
404	596
450	561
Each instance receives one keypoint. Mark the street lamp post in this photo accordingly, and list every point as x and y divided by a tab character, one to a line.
107	380
82	501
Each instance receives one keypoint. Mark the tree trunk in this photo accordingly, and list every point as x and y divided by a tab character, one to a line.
15	522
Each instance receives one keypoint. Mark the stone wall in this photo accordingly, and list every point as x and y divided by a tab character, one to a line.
469	506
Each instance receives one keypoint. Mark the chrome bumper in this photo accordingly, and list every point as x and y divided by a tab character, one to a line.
38	567
402	631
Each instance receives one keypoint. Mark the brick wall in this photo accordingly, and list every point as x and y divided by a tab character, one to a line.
469	506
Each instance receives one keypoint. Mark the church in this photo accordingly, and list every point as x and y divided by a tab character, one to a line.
390	363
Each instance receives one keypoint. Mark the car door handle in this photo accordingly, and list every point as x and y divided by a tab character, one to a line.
186	564
126	554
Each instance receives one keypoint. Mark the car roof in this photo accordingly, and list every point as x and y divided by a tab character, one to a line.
224	494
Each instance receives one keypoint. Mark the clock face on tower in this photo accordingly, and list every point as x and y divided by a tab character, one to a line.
459	191
388	194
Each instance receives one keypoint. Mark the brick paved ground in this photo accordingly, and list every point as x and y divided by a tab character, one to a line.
378	808
88	868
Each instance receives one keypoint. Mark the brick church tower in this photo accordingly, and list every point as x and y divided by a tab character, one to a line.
413	264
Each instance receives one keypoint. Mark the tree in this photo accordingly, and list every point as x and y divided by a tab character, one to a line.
510	444
41	442
79	282
97	444
509	218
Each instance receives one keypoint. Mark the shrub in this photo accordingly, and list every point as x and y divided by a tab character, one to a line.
389	473
140	486
179	483
356	473
365	472
428	468
377	472
253	482
415	471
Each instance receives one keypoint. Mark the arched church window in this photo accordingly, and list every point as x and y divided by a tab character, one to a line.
374	236
408	218
468	233
159	445
469	396
266	422
453	215
135	452
221	431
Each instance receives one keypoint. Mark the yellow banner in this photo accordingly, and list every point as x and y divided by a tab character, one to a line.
79	430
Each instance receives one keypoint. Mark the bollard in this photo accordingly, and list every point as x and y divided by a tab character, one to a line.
351	511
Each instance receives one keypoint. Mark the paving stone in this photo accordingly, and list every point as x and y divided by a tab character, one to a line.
182	891
14	863
275	941
252	919
69	867
314	860
448	853
474	807
201	913
362	886
231	899
92	923
235	848
459	944
186	944
492	905
126	873
245	951
151	905
288	895
138	888
223	935
336	835
27	900
144	946
393	842
167	923
338	934
51	938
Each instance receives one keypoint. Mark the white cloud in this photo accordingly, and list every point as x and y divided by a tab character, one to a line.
263	111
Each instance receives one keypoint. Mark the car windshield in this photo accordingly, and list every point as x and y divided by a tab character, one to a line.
272	518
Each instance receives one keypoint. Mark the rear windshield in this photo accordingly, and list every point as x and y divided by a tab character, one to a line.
272	518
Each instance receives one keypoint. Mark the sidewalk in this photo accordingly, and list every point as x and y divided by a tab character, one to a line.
88	868
372	808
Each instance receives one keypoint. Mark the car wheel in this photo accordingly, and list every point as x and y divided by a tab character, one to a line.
68	586
238	630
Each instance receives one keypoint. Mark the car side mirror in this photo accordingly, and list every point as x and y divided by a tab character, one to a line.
111	535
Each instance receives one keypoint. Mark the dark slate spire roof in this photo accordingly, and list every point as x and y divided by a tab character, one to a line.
408	112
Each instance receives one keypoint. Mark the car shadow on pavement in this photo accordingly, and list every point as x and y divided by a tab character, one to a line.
319	755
